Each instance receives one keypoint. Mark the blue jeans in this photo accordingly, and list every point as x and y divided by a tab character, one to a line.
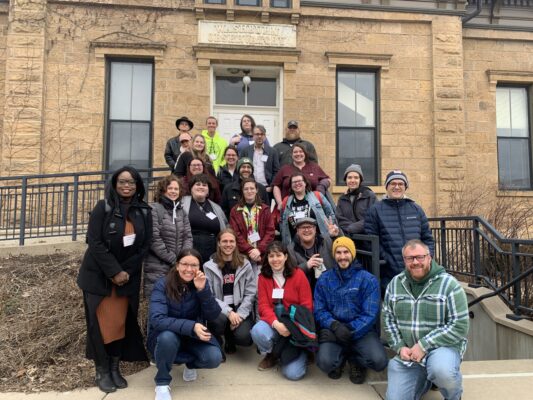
168	344
367	352
411	382
265	337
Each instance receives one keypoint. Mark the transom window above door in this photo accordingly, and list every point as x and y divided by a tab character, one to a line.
230	90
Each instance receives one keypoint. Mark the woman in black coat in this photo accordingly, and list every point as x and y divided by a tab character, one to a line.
119	236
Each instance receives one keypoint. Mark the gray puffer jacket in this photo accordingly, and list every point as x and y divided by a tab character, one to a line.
244	287
169	238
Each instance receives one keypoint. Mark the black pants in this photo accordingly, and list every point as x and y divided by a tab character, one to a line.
241	336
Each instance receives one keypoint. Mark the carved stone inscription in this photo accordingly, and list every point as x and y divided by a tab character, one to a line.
246	34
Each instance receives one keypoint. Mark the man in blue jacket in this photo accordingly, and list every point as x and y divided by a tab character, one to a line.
396	219
346	308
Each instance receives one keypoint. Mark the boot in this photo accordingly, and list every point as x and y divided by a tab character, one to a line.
116	376
103	378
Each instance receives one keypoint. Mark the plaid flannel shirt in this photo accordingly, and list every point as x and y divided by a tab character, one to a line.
437	318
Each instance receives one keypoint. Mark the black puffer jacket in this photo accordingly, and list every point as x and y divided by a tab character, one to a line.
351	217
169	238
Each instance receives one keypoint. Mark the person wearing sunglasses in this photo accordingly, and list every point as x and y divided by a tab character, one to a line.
396	219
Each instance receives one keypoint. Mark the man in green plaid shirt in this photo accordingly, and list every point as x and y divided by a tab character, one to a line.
425	315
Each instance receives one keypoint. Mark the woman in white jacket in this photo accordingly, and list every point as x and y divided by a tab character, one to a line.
234	284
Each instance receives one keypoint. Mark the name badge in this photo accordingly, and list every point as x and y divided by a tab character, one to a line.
264	158
254	237
277	293
299	214
211	215
228	300
128	240
213	157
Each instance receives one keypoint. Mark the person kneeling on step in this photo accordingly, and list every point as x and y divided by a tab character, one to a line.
346	303
180	305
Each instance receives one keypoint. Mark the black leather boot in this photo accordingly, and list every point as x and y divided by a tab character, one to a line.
103	379
116	376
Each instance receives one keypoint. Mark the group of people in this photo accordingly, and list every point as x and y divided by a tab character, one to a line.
243	245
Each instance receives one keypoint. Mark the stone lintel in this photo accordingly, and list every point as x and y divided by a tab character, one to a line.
496	76
153	50
359	59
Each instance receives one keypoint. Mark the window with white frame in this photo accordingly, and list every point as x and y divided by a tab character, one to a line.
129	114
357	127
514	137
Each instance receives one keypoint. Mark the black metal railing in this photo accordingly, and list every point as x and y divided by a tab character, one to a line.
504	3
474	250
38	206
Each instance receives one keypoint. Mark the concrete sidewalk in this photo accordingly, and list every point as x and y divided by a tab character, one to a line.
238	379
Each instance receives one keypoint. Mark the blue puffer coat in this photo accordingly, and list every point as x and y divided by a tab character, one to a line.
396	222
350	296
166	314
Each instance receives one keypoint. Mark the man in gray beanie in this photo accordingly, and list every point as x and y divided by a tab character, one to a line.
396	219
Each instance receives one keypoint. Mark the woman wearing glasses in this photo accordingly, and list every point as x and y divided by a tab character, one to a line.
304	203
234	285
118	236
180	307
197	166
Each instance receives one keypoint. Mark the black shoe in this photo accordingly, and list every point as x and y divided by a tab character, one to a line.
116	376
103	379
229	347
335	374
357	374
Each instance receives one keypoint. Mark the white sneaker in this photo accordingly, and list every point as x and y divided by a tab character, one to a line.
189	375
162	393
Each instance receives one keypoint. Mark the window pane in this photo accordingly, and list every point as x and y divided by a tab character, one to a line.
503	112
129	145
365	88
357	146
513	163
120	91
281	3
262	92
141	102
214	1
229	90
248	2
346	99
519	112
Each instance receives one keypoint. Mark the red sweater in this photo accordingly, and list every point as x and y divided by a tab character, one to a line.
296	291
266	226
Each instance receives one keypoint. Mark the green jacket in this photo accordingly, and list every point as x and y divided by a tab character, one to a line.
437	318
214	147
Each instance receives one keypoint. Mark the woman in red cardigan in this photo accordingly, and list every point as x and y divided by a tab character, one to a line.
252	222
280	285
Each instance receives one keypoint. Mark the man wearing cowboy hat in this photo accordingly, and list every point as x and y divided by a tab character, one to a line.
176	145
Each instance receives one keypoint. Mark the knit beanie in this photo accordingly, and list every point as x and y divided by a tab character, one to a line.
396	174
343	241
244	160
354	168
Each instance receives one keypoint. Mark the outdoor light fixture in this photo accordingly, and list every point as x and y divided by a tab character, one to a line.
246	78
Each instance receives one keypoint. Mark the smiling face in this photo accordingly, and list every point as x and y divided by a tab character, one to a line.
298	185
396	189
292	133
173	191
417	261
196	167
211	125
245	171
126	185
306	233
343	257
227	244
198	143
276	260
353	180
246	124
200	191
298	155
231	158
187	267
249	191
259	137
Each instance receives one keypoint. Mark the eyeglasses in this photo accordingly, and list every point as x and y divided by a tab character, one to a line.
397	184
306	227
420	258
187	265
127	182
196	165
300	181
259	134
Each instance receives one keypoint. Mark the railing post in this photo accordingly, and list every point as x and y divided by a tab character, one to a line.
64	214
374	240
443	254
75	208
477	256
22	227
518	285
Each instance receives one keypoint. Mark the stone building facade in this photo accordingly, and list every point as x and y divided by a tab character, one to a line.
386	83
